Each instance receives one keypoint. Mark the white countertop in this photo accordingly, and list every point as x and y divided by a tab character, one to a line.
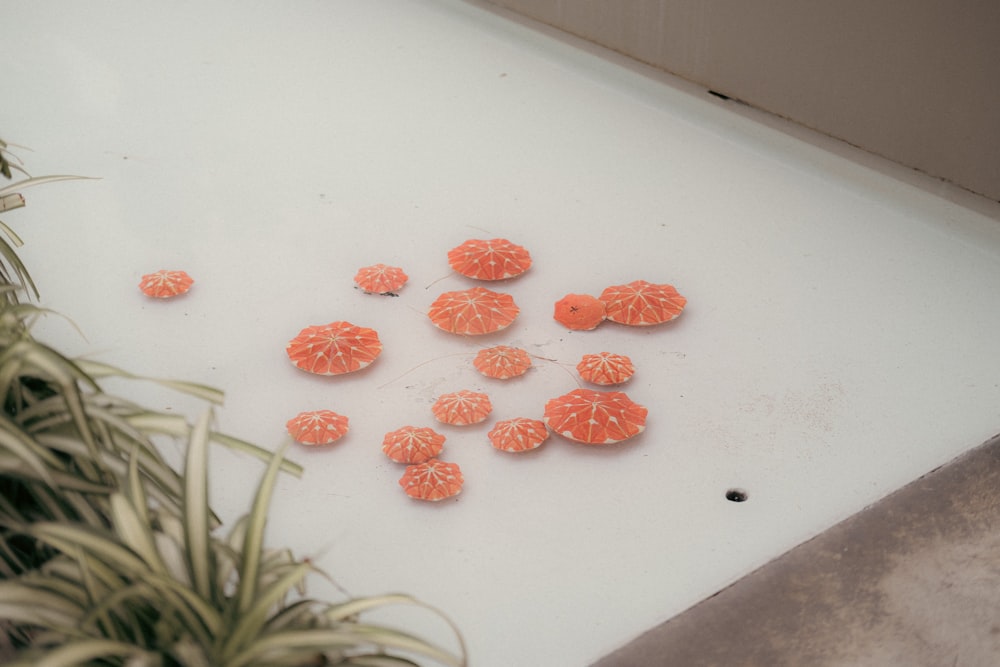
839	339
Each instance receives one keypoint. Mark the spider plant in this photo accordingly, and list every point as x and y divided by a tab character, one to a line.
109	556
156	587
11	198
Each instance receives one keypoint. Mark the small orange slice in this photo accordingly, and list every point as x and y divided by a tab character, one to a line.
580	312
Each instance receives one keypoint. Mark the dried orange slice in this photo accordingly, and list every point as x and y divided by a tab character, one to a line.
165	284
496	259
520	434
641	304
432	480
461	408
334	349
411	444
502	362
595	417
473	311
319	427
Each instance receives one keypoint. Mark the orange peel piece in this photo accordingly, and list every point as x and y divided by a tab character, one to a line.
580	312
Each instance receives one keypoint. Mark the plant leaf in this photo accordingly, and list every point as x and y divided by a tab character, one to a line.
19	443
135	532
100	370
25	603
41	180
352	608
165	486
63	372
349	636
68	537
8	203
196	512
257	452
136	491
249	623
20	270
380	661
78	653
254	538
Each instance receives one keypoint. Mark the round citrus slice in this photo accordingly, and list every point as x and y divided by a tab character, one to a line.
432	480
318	427
165	284
518	435
462	408
411	444
334	349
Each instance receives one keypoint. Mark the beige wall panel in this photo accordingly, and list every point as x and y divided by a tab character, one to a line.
916	81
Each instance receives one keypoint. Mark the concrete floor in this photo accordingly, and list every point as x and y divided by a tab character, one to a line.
913	580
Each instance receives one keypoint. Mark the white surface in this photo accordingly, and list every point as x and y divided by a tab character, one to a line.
839	339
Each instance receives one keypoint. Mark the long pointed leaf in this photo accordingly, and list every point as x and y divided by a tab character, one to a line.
207	615
63	372
67	538
352	608
257	452
40	180
165	487
254	539
250	622
196	511
9	203
95	592
200	620
344	637
380	661
136	490
26	449
79	653
135	532
20	270
98	370
18	601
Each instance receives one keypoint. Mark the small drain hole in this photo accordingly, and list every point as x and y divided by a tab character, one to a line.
737	495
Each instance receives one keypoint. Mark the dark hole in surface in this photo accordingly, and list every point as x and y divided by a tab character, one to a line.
736	495
721	96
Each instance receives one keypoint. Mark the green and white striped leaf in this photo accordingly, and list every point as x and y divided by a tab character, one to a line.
135	532
80	652
197	535
39	180
99	370
67	538
254	539
249	623
346	637
35	605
